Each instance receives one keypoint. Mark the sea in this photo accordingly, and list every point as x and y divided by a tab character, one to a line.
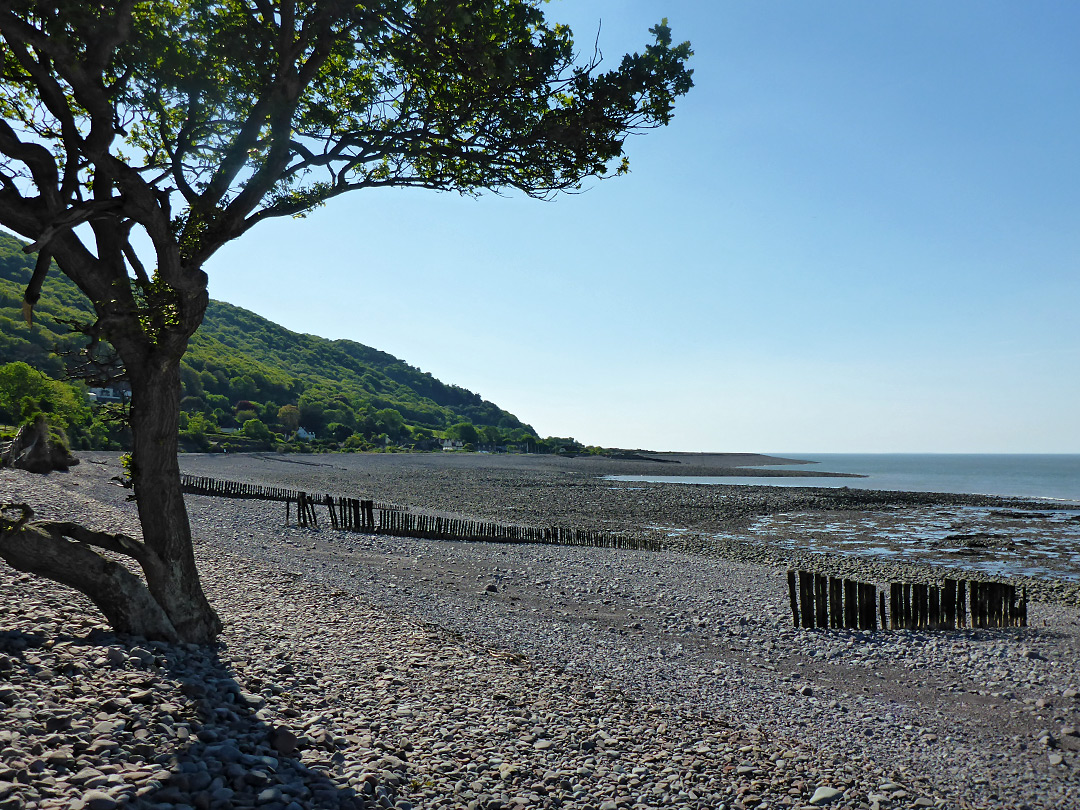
1041	476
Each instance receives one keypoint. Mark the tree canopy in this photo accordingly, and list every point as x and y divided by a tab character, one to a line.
187	123
198	119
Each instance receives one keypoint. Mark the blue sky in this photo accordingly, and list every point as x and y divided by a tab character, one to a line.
859	234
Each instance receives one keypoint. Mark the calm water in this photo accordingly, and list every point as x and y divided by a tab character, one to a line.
1054	477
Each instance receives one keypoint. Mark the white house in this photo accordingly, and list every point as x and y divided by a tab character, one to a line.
112	394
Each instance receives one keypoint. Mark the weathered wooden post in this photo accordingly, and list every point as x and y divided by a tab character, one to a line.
984	604
935	612
961	604
921	605
821	593
896	601
329	503
792	596
836	602
881	600
851	604
948	601
806	598
861	596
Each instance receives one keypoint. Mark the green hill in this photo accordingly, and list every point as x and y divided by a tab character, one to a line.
240	366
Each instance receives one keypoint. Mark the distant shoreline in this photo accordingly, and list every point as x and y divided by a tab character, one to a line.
733	465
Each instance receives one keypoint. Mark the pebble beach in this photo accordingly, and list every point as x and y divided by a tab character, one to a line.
361	671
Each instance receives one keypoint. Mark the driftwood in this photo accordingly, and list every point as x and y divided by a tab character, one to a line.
64	552
34	450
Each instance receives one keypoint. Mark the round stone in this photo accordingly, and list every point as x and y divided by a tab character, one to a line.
98	800
825	795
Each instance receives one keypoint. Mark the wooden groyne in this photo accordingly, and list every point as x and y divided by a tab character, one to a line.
821	601
365	516
434	527
201	485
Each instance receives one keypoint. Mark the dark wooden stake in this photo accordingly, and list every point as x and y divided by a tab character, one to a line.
821	594
948	603
961	604
794	598
806	598
836	602
851	602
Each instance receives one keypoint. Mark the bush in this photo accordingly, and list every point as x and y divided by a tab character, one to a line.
255	429
357	443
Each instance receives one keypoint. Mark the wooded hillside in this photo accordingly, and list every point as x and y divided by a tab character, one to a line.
242	367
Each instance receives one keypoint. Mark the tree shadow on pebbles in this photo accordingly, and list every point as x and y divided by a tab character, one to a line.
93	721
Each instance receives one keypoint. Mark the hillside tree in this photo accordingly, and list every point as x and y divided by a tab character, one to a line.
139	137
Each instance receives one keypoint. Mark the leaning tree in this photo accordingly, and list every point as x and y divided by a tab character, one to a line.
139	137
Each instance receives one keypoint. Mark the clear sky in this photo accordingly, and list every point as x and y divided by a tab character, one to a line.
861	233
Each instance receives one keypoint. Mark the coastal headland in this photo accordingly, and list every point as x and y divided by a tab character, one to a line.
379	671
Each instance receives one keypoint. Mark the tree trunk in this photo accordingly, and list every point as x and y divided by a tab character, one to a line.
170	568
171	604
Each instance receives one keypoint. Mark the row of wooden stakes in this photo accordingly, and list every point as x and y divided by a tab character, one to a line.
202	485
346	514
365	516
350	514
828	602
413	524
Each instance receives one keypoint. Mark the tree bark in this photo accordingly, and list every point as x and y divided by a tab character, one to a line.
42	549
170	569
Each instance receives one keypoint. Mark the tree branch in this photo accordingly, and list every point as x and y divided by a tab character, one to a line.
35	156
109	541
73	217
119	594
33	290
133	260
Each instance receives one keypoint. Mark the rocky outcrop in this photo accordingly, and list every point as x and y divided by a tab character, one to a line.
35	450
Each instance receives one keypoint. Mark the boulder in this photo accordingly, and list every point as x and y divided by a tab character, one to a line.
34	450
